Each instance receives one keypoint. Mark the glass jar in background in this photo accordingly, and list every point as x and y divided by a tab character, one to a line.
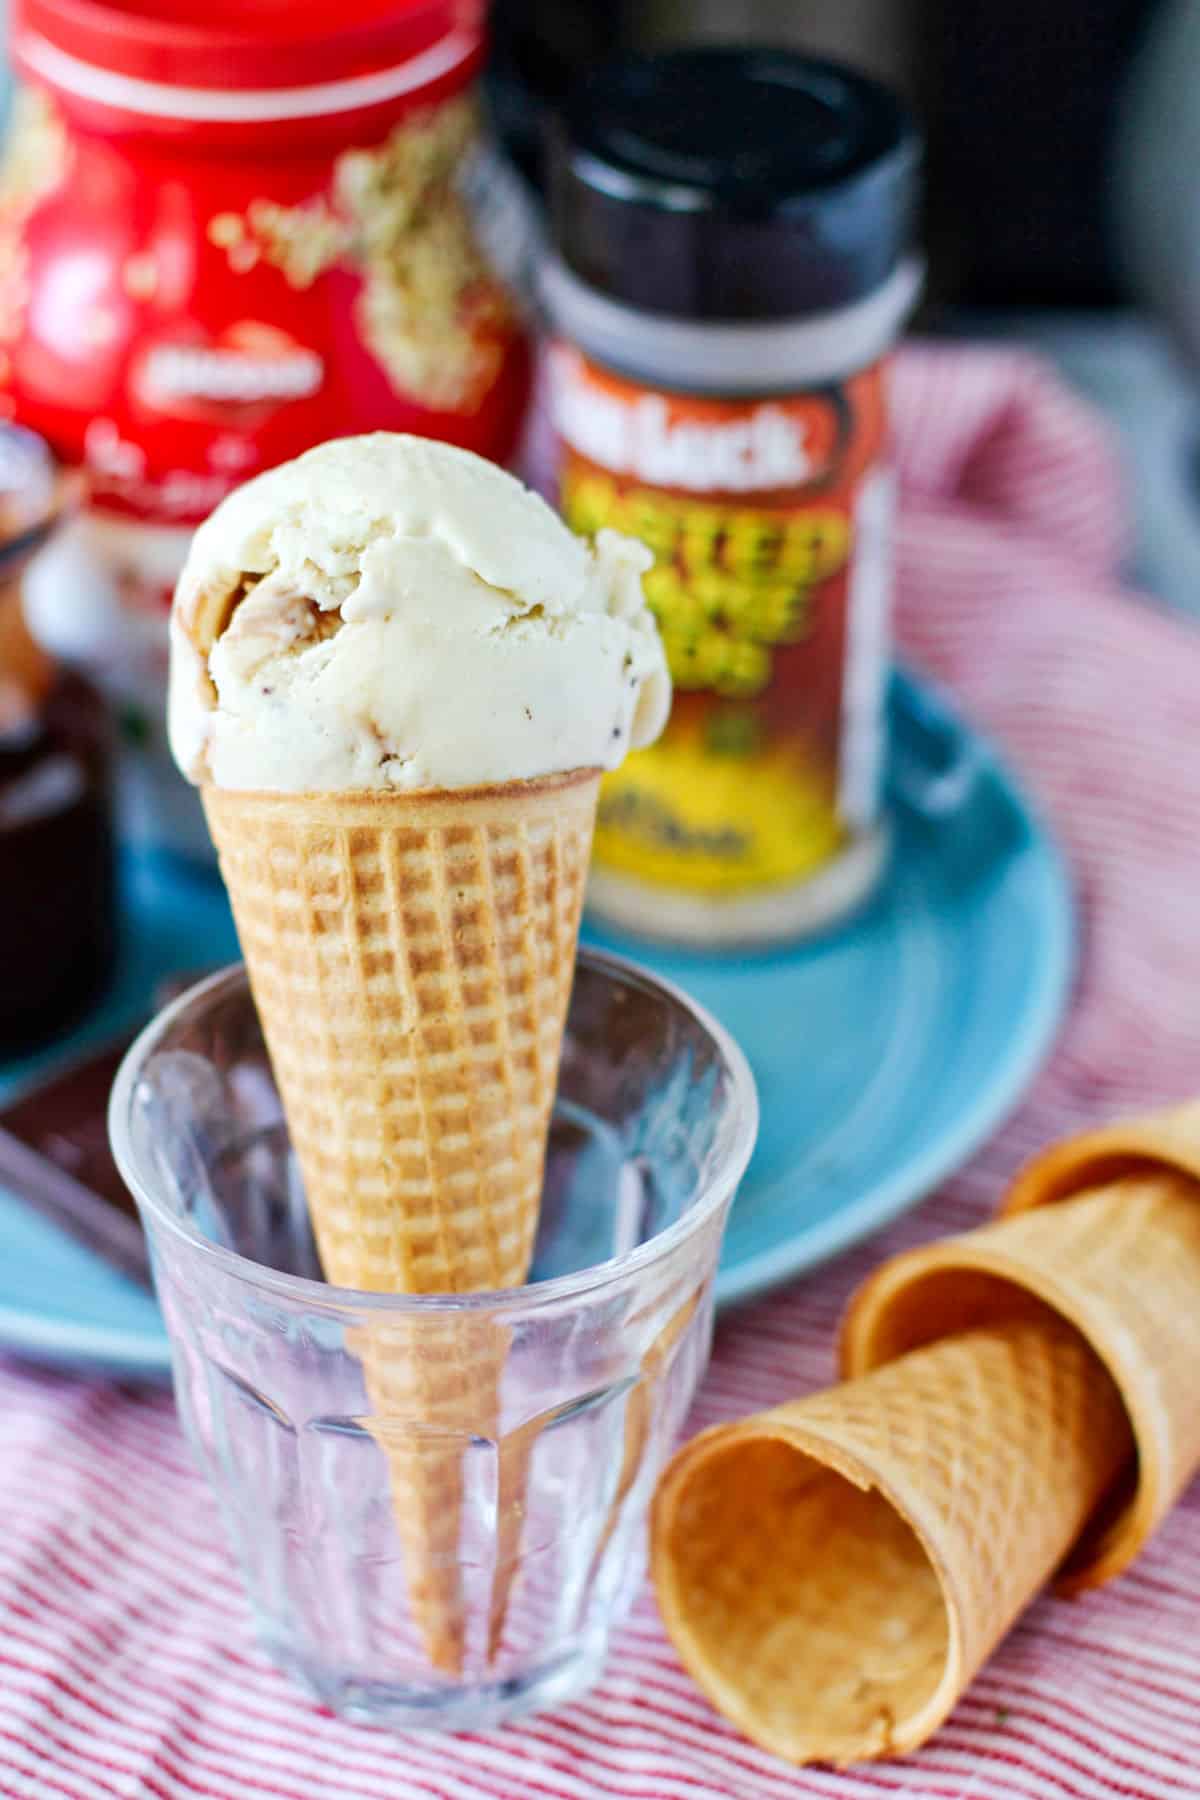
228	233
57	911
733	235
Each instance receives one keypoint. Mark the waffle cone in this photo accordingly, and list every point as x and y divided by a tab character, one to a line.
411	958
1104	1228
1018	1401
833	1572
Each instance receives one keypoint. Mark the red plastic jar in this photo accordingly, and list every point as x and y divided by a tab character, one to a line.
228	230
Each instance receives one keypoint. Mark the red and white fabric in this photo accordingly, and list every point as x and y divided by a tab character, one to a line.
126	1662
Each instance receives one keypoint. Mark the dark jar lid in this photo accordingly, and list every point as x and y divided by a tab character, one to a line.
729	183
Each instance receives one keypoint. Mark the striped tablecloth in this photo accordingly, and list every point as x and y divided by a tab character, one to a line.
126	1662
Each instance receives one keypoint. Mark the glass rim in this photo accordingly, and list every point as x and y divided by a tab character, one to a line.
721	1182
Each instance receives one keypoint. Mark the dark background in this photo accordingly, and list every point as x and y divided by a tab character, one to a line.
1019	99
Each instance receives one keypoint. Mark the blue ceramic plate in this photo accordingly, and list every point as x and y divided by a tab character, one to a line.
884	1053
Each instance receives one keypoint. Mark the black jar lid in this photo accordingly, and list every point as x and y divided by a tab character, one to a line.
731	183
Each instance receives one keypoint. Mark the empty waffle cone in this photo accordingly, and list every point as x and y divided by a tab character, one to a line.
1104	1228
1018	1402
411	958
833	1572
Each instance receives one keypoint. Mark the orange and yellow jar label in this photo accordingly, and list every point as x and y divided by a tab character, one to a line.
769	520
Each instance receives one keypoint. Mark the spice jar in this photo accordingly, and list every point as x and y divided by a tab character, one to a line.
226	233
56	872
732	261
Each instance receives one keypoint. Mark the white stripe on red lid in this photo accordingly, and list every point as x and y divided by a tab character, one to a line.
219	106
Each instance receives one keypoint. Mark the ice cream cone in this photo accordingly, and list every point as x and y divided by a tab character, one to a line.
1017	1401
411	957
396	676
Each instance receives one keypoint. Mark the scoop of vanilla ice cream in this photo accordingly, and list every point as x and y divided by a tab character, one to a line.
391	612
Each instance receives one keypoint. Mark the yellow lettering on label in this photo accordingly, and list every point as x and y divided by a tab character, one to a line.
752	542
589	502
700	530
654	521
728	583
815	545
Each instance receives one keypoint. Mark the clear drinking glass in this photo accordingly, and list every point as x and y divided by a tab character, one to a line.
335	1429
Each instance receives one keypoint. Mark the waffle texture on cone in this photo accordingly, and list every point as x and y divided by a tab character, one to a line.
411	959
833	1572
1165	1142
1104	1228
434	1394
1016	1402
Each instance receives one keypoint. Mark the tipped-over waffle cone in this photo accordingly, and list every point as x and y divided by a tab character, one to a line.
1018	1400
1104	1228
834	1571
411	957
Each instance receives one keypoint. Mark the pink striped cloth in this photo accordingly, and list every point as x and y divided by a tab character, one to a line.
126	1662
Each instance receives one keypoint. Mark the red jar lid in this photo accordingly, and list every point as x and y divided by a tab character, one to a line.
230	48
